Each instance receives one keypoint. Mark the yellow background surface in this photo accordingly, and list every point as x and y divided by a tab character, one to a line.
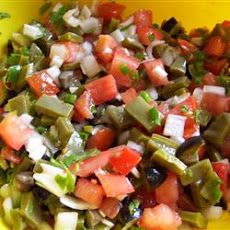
192	14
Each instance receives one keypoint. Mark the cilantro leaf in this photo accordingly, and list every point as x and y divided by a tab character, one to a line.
124	69
56	17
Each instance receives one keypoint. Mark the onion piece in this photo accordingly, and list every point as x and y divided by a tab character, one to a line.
107	222
198	94
214	89
149	49
152	92
213	212
57	7
137	147
54	72
127	22
32	32
88	47
66	220
118	35
90	25
69	18
90	66
85	13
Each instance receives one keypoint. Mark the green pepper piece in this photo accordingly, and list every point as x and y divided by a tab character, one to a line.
213	154
53	136
31	210
139	110
20	103
137	136
2	177
211	188
169	161
196	196
45	42
69	36
47	121
196	172
81	222
13	73
3	92
92	218
218	130
120	119
178	67
181	91
160	142
159	50
25	165
3	163
53	107
21	39
15	195
132	43
169	90
71	66
113	24
202	117
102	227
193	218
65	129
169	55
18	222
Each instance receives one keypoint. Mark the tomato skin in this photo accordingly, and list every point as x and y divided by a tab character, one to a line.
160	217
8	154
131	63
216	65
215	46
164	194
42	83
90	192
13	126
190	127
105	47
186	46
185	203
83	107
129	95
146	198
145	32
114	185
210	79
221	169
88	166
220	106
110	207
103	89
110	10
156	79
102	140
143	18
124	161
226	23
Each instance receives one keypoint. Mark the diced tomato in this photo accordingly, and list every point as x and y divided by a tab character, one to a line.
221	168
189	103
168	191
214	103
124	161
210	79
9	154
139	85
124	68
202	152
105	48
185	203
215	46
146	198
102	140
110	10
110	207
143	18
186	46
226	23
114	185
225	148
103	89
216	66
83	107
161	217
73	49
145	33
129	95
1	110
88	166
190	128
89	191
42	83
14	132
156	72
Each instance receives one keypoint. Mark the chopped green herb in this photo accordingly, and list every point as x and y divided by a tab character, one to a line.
56	17
134	74
45	7
199	55
70	98
133	206
84	135
151	37
25	51
155	116
139	56
184	108
4	15
197	71
146	96
67	181
225	82
124	69
41	129
13	59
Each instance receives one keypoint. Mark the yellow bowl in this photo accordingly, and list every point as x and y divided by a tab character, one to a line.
196	13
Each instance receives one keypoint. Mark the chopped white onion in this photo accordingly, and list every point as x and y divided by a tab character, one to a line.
214	89
85	13
152	92
123	137
75	203
174	125
90	66
149	49
213	212
131	31
97	128
107	222
54	72
26	118
58	50
118	97
57	61
178	140
137	147
88	47
73	89
159	71
118	35
198	94
178	99
70	19
135	172
32	32
30	69
127	22
90	25
49	145
66	221
57	7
